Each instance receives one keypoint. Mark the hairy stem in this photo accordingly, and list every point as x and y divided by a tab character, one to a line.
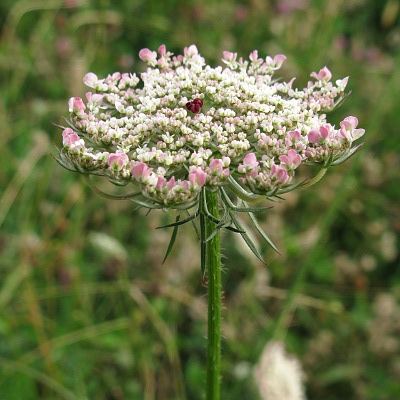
213	260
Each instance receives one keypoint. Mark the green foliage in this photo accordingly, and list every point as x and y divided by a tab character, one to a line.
88	310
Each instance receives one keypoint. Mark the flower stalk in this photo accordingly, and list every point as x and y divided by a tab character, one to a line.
214	267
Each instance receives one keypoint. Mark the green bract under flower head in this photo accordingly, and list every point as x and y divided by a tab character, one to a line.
184	126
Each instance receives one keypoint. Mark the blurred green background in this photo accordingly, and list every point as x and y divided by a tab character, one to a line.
88	310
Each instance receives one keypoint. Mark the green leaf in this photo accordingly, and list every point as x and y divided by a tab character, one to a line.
145	204
172	240
227	202
176	223
350	153
106	195
262	233
246	238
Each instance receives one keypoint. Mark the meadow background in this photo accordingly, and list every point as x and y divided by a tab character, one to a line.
88	310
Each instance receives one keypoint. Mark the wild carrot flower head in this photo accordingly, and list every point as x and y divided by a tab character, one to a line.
234	124
183	126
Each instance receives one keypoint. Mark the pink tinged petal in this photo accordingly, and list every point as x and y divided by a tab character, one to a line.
358	133
69	137
292	137
250	160
162	50
345	125
253	56
290	83
292	154
171	183
345	134
161	182
269	60
324	132
90	80
314	136
295	135
216	166
229	56
323	75
294	157
346	130
190	51
292	160
184	185
76	105
197	178
284	159
282	175
117	161
94	98
279	59
345	81
148	56
351	120
226	161
97	98
141	170
66	132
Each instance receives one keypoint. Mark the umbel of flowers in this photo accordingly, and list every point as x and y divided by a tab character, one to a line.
209	141
184	125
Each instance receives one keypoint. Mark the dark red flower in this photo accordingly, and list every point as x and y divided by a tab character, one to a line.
194	106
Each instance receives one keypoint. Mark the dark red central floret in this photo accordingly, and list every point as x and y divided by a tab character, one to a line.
194	106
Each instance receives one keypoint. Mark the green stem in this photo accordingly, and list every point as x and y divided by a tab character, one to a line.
214	266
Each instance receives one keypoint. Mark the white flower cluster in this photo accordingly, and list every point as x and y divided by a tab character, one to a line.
185	125
279	376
